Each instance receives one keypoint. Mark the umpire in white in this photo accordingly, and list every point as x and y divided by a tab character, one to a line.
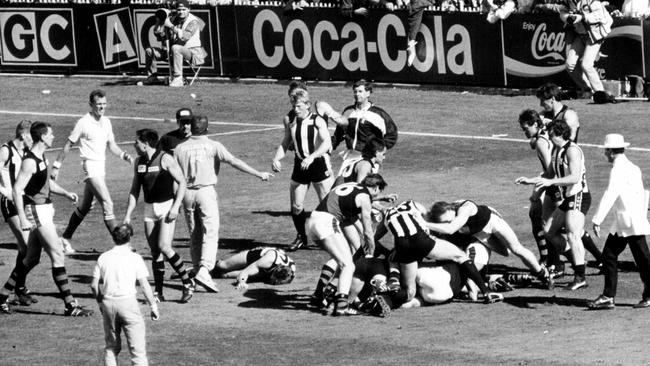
625	193
113	285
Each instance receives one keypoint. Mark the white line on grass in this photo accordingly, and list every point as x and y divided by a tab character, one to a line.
275	126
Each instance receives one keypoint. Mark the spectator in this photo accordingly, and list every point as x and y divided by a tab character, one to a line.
351	8
633	8
499	9
183	30
587	25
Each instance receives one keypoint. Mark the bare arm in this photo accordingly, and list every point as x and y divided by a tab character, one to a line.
58	190
27	170
148	294
363	201
134	193
117	151
56	165
574	156
5	180
175	171
253	269
284	146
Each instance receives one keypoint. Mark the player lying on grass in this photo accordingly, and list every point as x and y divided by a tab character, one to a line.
269	265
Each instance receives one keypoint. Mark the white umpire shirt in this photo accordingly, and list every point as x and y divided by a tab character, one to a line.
117	271
626	194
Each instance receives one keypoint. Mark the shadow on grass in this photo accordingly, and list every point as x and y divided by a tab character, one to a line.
273	213
85	256
266	298
8	246
85	279
122	82
529	302
240	244
57	295
503	269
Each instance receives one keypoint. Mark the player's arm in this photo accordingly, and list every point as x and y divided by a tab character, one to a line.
543	151
363	201
253	269
284	146
326	111
462	215
60	191
323	148
134	193
27	170
226	156
117	151
168	163
571	119
574	157
56	165
94	285
5	180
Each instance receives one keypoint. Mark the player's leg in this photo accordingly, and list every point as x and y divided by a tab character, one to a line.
641	255
508	238
22	293
232	264
77	217
338	248
20	271
444	250
151	230
536	215
323	187
165	238
297	193
100	190
574	223
46	232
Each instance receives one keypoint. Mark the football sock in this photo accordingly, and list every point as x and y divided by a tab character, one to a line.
61	280
20	279
540	239
591	247
326	275
158	268
393	278
470	269
299	222
75	220
341	301
10	285
177	264
579	271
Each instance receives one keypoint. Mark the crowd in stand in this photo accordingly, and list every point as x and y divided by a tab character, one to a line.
352	8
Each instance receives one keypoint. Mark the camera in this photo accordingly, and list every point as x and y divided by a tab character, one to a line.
571	19
164	13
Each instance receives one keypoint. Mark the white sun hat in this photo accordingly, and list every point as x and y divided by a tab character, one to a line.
615	141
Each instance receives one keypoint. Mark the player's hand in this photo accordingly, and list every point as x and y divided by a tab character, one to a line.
596	229
276	166
155	314
171	216
306	163
72	197
25	225
520	180
265	176
391	198
127	220
541	182
241	286
54	173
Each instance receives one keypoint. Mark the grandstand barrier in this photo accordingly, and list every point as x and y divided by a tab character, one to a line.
459	48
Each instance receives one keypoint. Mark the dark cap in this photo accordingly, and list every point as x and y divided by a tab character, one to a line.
184	3
184	114
199	125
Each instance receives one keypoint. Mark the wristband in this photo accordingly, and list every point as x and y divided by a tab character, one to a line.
56	164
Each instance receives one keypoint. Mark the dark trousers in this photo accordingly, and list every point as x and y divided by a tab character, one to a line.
415	11
613	247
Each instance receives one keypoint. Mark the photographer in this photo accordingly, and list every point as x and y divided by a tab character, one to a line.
587	25
183	30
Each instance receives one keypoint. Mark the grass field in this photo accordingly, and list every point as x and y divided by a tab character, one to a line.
447	150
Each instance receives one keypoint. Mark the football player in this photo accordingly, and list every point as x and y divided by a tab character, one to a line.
270	265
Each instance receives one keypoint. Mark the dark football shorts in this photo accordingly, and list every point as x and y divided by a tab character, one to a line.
318	171
578	202
8	209
413	248
554	193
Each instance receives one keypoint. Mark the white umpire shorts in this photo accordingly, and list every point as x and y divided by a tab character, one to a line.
321	225
157	211
40	215
93	168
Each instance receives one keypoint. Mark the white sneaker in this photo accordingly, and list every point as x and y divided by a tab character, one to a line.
67	247
204	279
410	53
177	81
